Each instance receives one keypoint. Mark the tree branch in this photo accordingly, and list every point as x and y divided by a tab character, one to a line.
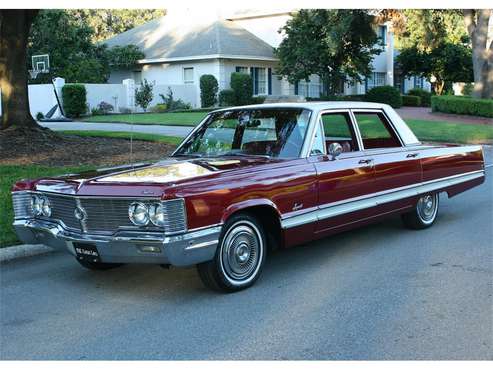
469	20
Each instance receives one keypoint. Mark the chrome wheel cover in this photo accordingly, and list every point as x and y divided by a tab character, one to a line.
241	253
427	208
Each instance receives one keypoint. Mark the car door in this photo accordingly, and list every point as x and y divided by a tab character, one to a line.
349	176
396	167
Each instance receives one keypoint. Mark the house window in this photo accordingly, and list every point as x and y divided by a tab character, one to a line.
382	33
376	79
188	75
260	80
240	69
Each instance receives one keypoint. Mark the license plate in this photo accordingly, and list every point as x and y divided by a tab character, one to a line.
87	252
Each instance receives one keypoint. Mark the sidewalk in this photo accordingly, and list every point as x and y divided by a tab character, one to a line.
426	114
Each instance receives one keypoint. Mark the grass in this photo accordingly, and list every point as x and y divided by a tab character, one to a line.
11	174
166	119
451	132
173	140
439	131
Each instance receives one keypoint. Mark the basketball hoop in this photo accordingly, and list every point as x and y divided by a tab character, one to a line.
33	73
40	63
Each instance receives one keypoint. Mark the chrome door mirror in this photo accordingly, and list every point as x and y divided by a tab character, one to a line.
335	149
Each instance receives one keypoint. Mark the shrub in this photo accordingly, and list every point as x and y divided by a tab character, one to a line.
338	98
227	98
144	95
462	105
95	112
39	116
423	94
467	89
74	100
242	85
411	101
208	90
386	95
105	108
159	108
257	100
172	104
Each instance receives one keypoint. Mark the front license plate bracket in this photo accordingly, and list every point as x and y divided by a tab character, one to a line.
87	252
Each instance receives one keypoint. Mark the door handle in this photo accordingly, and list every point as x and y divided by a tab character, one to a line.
365	161
412	155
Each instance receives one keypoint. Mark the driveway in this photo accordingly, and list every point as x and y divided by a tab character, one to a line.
380	292
180	131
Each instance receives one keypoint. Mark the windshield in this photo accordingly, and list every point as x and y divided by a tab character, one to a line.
266	132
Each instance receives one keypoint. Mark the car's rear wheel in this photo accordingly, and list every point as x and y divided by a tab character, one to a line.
239	258
98	265
424	213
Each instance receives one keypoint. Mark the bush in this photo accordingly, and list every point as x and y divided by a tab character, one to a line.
159	108
124	110
386	95
74	100
242	85
172	104
208	90
338	98
227	98
257	100
105	108
411	101
144	95
462	105
39	116
423	94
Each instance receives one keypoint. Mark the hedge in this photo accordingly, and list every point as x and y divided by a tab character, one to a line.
208	90
74	100
462	105
242	85
227	98
423	94
338	98
411	101
386	95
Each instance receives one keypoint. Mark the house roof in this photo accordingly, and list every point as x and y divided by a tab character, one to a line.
164	39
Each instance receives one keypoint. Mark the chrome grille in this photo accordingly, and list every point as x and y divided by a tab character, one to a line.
22	204
175	220
104	215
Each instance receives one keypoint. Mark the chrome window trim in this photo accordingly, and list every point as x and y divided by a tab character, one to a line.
389	121
341	207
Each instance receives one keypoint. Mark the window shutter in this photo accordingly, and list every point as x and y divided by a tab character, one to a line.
296	88
255	81
237	69
269	81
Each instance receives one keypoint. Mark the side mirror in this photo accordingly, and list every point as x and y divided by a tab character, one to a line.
335	149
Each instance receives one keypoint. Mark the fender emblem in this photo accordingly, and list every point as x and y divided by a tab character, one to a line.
297	206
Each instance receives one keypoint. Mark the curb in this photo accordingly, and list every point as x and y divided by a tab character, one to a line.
24	250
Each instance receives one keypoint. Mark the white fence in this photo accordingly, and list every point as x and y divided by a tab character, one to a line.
42	97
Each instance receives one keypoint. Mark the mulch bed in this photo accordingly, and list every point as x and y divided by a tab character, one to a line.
52	149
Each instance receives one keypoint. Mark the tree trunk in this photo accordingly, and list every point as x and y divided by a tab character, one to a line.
14	32
482	53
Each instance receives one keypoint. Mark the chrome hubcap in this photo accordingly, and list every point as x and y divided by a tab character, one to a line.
427	207
241	252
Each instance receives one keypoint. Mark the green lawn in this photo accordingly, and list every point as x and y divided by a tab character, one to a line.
11	174
174	119
173	140
440	131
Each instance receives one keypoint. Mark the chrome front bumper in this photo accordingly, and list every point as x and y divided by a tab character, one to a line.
126	246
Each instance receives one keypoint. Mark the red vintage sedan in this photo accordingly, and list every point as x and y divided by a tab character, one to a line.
246	180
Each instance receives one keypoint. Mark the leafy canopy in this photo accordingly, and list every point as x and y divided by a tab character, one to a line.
337	45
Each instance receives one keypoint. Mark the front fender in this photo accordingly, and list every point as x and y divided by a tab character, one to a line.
249	203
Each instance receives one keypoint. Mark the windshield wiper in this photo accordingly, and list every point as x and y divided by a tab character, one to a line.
237	154
194	155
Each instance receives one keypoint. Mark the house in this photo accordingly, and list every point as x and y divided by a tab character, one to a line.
184	45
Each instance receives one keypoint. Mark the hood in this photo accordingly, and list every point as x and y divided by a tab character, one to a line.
146	179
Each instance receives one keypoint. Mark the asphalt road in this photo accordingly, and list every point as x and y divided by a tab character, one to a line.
381	292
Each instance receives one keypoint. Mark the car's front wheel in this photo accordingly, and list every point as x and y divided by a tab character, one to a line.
424	213
239	258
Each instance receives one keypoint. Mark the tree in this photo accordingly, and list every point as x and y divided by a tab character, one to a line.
337	45
482	54
144	95
14	31
443	65
124	57
107	23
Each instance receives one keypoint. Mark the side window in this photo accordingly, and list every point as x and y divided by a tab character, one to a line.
318	142
376	131
338	129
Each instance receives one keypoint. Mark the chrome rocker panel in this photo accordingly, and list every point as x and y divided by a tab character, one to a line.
186	249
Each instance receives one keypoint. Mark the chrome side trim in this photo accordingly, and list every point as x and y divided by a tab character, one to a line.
371	200
202	245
